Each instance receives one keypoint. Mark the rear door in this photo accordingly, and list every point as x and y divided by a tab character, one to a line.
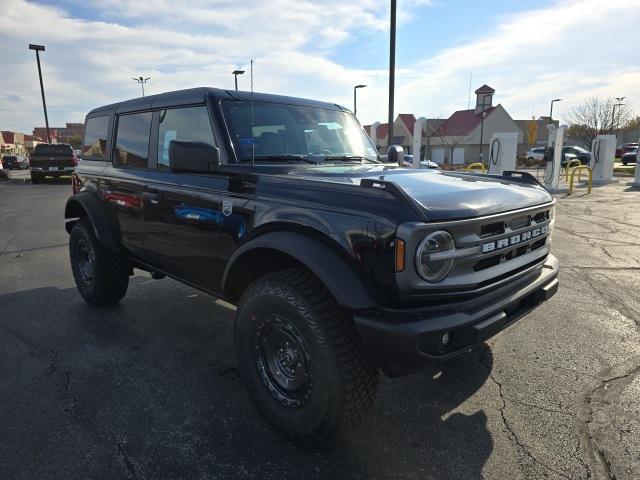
125	180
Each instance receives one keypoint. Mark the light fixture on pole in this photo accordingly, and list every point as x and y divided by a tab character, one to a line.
235	74
551	109
141	81
613	120
38	49
355	104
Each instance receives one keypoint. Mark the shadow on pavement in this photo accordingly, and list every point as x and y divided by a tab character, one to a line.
149	389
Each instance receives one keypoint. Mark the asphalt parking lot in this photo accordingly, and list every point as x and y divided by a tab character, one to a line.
149	389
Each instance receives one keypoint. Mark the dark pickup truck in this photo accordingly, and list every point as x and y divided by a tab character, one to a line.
340	266
51	160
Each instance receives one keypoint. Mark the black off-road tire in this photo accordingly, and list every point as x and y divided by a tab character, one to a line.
105	280
36	178
343	380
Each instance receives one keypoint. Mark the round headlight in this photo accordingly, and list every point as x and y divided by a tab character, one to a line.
429	265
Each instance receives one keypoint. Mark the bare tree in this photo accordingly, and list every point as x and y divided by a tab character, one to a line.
450	136
595	117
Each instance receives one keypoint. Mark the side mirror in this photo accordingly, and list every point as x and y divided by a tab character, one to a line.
395	154
193	157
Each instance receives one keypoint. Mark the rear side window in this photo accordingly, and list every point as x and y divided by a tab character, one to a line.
132	140
94	146
53	149
191	124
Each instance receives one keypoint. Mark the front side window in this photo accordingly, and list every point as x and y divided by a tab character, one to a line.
270	131
94	145
132	140
190	124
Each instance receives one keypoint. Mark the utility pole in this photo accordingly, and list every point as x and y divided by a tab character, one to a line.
38	49
617	124
235	74
355	103
141	81
484	114
392	70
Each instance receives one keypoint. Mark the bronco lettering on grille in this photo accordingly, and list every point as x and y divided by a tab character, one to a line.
515	239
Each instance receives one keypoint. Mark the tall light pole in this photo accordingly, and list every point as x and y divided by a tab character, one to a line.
484	114
613	120
141	81
355	103
235	74
392	70
551	114
38	49
551	109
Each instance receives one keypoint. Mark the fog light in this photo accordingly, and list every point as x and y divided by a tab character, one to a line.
446	339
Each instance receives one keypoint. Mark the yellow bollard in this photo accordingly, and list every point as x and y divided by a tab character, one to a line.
572	163
579	169
475	166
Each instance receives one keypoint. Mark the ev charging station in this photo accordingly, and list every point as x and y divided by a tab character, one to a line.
417	140
554	156
503	149
603	150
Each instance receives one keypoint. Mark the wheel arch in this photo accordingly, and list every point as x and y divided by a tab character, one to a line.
279	250
87	205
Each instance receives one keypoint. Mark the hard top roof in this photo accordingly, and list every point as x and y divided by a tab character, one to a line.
193	96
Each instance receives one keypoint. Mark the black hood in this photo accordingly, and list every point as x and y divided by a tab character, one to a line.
442	195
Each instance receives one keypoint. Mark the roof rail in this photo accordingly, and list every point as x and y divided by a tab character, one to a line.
397	192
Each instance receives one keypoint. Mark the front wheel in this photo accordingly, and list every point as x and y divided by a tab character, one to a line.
102	276
301	357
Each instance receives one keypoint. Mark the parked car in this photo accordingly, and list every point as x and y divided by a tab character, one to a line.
15	162
536	153
51	160
624	148
580	153
631	156
340	266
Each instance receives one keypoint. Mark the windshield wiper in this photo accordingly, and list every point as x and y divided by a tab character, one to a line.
284	156
348	158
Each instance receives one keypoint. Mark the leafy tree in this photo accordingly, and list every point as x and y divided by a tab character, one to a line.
532	131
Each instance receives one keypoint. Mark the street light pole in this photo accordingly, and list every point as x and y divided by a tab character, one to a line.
551	114
141	81
392	70
613	120
235	74
38	49
355	103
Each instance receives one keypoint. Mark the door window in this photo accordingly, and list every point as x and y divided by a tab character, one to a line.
94	146
132	140
190	124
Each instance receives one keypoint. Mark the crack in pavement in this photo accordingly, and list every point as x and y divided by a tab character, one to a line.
598	397
53	365
512	435
128	464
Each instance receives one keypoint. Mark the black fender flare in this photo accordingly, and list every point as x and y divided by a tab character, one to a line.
332	270
106	232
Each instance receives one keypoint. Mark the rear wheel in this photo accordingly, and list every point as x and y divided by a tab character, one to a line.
301	357
102	277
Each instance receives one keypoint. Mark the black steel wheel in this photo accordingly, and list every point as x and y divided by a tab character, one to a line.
301	357
102	277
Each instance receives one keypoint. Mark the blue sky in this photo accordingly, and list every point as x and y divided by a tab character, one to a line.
528	51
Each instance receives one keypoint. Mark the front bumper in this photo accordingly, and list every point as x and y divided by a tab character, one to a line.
403	341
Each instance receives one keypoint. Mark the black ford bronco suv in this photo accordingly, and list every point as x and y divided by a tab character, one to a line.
340	266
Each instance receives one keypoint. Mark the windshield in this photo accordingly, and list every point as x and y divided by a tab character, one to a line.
276	131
